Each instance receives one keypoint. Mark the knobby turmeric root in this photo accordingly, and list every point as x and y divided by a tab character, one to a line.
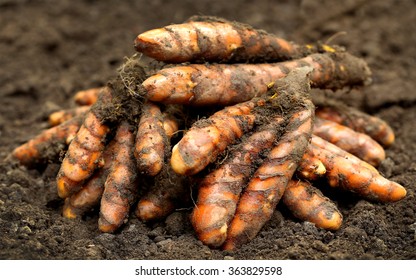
84	152
38	149
356	177
359	144
91	192
208	138
219	191
217	40
151	140
62	116
120	188
226	84
265	146
359	121
269	182
309	204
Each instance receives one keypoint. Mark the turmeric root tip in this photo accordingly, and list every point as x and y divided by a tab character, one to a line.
85	199
37	149
310	167
309	204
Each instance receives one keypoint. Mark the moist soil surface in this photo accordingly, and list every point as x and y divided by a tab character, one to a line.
51	49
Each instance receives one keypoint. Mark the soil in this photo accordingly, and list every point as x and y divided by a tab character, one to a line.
50	49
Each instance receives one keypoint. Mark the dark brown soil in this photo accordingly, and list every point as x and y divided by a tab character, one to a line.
51	49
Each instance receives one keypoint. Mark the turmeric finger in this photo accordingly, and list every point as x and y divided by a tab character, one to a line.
359	121
219	191
214	39
344	173
90	194
268	184
151	140
168	190
359	144
85	199
207	138
310	167
47	144
120	188
84	152
309	204
225	84
61	116
335	150
88	97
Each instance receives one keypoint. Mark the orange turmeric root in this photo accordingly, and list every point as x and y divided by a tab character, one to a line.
310	168
226	84
359	121
207	138
215	39
223	216
120	187
151	140
346	173
39	149
84	98
309	204
359	144
89	96
61	116
86	198
90	194
268	184
168	190
219	191
337	151
84	152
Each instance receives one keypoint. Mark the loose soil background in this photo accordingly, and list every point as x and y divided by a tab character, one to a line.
51	49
